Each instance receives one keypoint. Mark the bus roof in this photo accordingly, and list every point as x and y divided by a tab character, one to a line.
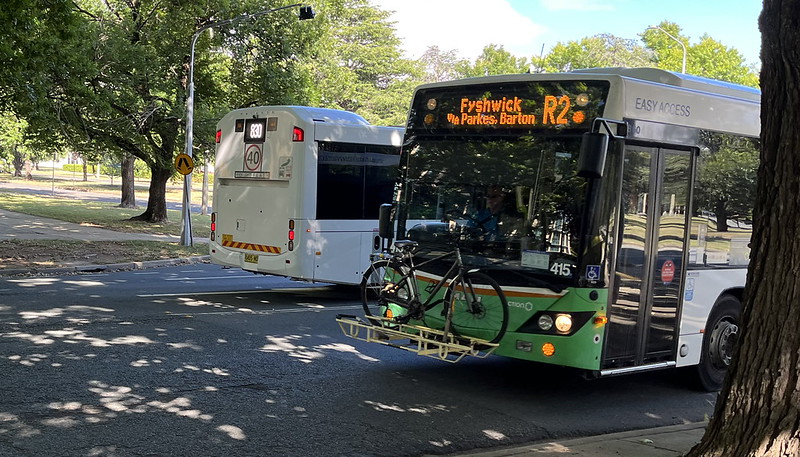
310	113
678	79
653	75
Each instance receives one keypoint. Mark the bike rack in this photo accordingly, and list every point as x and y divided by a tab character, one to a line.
415	338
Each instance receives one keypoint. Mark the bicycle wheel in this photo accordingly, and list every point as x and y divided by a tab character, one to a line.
384	291
478	307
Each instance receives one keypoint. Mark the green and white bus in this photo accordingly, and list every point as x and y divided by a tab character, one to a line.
627	194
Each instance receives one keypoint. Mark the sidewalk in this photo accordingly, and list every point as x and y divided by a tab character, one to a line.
670	441
19	226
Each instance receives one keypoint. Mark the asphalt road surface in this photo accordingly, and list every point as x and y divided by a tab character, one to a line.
203	361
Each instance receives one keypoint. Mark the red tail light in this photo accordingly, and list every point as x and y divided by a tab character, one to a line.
298	134
219	136
213	224
291	231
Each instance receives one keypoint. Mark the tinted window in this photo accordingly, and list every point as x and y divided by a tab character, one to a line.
354	179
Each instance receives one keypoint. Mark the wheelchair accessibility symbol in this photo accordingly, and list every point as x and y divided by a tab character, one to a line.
593	272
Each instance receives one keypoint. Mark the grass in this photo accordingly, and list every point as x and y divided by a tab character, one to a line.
47	178
100	214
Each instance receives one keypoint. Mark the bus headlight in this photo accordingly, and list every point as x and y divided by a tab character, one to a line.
545	322
563	323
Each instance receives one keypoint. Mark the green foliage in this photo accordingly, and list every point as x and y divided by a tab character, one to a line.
357	63
78	168
494	60
439	65
596	51
708	58
12	130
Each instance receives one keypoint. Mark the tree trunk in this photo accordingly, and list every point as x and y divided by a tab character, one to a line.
157	198
721	213
18	162
758	410
85	170
204	201
128	180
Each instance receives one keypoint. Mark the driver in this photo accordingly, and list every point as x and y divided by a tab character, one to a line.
494	222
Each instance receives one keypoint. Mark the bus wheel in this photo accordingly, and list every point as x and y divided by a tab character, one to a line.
719	342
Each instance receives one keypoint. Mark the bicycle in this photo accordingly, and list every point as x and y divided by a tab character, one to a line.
473	304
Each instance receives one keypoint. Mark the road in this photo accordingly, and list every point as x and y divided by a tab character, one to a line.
201	361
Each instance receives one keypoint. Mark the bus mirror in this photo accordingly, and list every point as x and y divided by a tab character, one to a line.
385	228
592	159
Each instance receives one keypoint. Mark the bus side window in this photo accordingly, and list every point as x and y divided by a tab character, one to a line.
723	200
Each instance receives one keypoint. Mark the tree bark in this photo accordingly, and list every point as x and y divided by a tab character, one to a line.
18	162
758	410
157	198
128	180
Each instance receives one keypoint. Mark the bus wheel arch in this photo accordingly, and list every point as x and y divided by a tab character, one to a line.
719	341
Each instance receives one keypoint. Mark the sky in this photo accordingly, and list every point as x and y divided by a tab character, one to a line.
526	27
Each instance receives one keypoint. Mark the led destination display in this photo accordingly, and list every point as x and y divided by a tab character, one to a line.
514	106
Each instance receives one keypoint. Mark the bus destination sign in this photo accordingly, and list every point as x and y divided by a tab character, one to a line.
509	106
509	112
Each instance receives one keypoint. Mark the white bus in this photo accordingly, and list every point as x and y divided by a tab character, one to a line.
628	197
297	190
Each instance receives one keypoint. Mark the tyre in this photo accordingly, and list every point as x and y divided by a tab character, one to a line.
384	292
479	307
719	342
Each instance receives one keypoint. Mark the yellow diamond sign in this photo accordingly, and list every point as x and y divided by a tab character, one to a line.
184	164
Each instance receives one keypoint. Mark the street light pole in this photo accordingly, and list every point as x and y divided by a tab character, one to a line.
655	27
186	222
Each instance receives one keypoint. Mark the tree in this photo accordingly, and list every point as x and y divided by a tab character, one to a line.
358	65
494	60
708	58
440	66
11	136
125	87
597	51
758	411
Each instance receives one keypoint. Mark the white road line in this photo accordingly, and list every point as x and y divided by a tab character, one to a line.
203	278
231	292
302	309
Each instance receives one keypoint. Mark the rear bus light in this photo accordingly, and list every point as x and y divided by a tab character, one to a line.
218	137
298	134
291	233
213	225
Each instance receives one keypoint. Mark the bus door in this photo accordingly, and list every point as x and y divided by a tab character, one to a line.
645	296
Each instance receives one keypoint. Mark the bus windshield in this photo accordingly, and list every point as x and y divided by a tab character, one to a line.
514	201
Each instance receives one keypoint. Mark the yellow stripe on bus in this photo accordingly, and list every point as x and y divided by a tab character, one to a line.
251	246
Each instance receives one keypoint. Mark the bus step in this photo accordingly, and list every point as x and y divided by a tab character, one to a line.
416	338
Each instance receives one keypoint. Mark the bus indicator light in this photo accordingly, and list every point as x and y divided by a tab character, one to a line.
548	349
600	320
298	134
218	137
